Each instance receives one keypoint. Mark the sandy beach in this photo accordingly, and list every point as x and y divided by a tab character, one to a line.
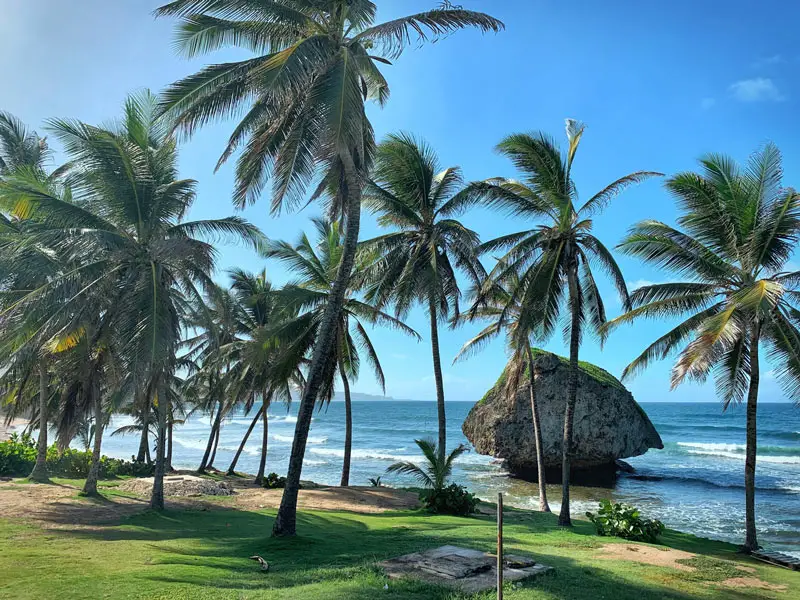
6	429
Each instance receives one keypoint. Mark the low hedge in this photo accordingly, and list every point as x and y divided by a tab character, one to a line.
18	455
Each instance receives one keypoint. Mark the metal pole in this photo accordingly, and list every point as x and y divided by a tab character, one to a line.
499	546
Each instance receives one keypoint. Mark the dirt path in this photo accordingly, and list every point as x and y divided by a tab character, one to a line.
668	557
54	505
353	499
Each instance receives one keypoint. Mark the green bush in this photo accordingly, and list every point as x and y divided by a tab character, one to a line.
624	521
18	455
273	481
451	500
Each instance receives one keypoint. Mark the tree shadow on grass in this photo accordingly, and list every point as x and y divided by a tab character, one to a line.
574	580
335	556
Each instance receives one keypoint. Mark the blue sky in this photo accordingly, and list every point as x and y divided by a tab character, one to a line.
658	85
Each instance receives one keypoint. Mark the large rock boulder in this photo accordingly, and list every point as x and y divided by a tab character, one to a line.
609	424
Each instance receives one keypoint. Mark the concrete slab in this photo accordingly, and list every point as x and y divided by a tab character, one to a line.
465	569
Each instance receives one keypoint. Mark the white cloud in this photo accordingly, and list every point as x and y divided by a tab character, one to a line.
760	89
775	59
707	103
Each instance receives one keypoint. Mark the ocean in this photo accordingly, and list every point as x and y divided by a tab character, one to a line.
695	484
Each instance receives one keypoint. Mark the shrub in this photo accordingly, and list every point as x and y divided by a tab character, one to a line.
451	500
375	481
273	481
624	521
18	455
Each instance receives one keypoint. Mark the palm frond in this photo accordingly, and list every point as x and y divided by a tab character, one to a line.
392	37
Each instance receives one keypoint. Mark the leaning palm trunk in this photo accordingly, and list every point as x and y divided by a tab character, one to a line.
750	539
348	428
205	462
286	520
90	487
537	432
262	464
232	469
39	472
437	374
211	460
572	394
157	497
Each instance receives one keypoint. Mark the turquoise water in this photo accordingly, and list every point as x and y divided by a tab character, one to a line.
694	484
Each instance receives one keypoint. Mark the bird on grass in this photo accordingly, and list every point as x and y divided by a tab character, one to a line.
264	564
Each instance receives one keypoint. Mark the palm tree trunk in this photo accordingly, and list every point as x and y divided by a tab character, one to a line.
214	449
348	427
437	375
262	464
168	466
537	432
751	540
157	497
144	441
204	463
39	472
572	392
286	520
90	487
232	469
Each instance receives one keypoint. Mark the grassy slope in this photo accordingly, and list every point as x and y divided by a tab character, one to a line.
204	554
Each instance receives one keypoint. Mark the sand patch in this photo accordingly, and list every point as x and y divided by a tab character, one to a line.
753	582
59	506
668	557
179	485
649	555
352	499
55	506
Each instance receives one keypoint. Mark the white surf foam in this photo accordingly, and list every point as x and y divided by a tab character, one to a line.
721	447
290	438
777	460
193	444
358	453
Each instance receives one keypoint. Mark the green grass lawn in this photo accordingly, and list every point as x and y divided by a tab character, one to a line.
204	554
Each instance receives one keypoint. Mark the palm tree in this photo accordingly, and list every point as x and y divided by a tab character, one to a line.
437	469
737	229
315	266
20	148
317	64
421	259
27	365
138	261
216	320
554	257
264	359
23	150
501	305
